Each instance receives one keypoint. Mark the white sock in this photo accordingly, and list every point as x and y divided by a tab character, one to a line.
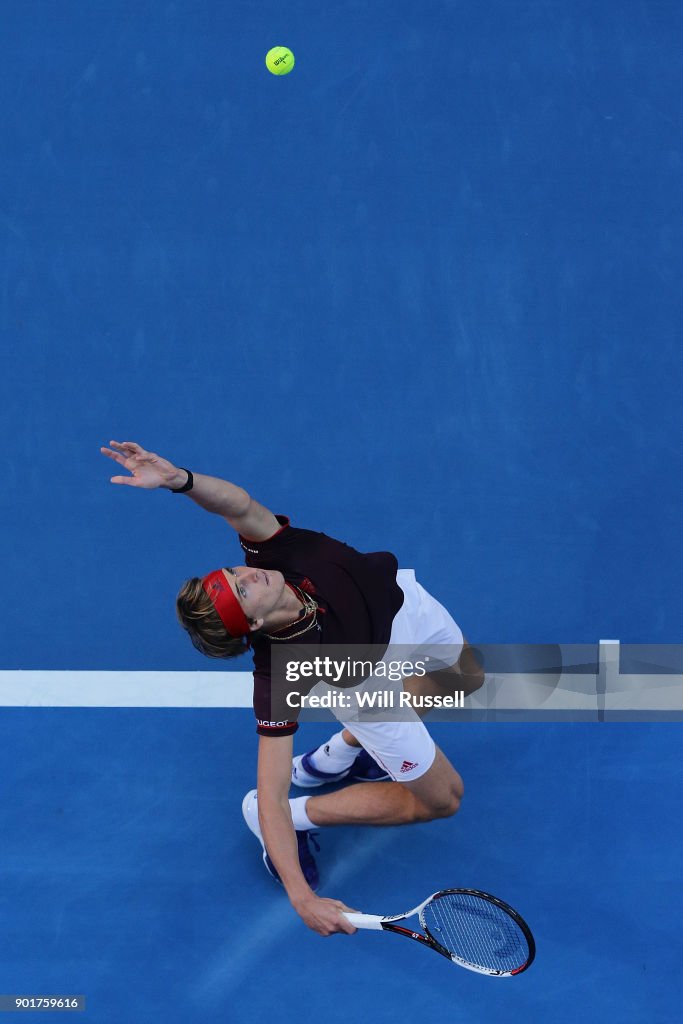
336	755
300	819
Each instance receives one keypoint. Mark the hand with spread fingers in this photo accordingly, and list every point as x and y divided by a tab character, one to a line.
147	469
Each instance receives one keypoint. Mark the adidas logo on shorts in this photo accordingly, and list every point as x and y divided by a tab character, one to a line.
407	766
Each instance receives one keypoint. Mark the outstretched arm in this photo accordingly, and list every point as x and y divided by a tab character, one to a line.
150	471
322	915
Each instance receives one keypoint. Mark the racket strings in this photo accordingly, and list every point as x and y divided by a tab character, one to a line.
476	930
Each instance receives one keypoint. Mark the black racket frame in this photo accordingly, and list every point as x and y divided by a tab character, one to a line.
429	940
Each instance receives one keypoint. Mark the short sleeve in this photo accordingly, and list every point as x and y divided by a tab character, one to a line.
273	717
258	545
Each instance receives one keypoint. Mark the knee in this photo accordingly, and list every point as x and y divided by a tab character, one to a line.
447	807
471	670
443	804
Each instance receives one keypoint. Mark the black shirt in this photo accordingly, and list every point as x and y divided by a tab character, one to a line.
357	595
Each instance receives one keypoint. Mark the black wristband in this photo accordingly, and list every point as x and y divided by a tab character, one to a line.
186	487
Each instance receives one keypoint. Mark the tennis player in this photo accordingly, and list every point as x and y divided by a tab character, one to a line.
302	587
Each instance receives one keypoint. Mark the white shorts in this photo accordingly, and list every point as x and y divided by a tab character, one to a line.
404	748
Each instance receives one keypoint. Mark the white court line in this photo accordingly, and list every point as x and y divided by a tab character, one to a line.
600	693
98	689
60	689
608	673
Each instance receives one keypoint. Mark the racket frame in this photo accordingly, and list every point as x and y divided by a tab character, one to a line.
388	924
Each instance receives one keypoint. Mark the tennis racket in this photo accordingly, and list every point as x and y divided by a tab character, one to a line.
473	929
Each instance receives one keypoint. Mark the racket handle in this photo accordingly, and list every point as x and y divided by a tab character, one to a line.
364	920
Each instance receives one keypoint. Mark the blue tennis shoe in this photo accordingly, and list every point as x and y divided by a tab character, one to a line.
366	769
363	769
304	773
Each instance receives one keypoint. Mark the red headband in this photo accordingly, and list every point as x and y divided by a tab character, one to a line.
226	604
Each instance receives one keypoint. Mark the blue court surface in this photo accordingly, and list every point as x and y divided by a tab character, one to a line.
130	877
423	294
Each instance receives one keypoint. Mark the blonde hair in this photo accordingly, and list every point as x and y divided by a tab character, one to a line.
197	615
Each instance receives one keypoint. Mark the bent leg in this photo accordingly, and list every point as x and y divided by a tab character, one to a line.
467	675
436	794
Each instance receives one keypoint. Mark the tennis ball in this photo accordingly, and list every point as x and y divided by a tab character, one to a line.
280	60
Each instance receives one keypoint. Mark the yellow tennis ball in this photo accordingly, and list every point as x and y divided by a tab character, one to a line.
280	60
